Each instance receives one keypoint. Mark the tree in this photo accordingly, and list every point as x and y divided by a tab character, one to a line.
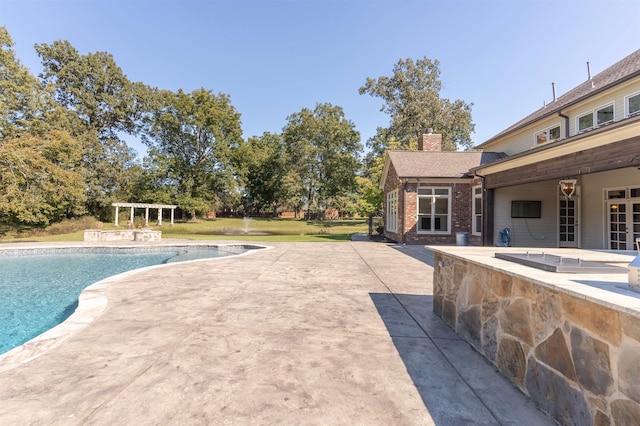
38	180
324	148
99	105
23	100
191	137
412	99
264	168
371	196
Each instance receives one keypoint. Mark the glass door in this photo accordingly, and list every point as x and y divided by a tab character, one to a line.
623	217
568	231
634	226
624	224
617	225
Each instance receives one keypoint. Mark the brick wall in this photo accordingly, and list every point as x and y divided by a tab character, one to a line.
461	213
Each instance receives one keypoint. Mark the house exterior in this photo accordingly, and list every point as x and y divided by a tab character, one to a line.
429	195
586	142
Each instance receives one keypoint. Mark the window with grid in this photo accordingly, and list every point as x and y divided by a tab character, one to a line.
595	118
477	210
551	134
632	104
392	211
434	207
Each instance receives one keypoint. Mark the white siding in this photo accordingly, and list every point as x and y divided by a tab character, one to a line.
523	140
517	142
616	96
528	232
543	232
594	208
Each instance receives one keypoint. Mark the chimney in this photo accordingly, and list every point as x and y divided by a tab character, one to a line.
430	142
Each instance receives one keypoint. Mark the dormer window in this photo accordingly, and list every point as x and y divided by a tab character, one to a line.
595	118
632	104
551	134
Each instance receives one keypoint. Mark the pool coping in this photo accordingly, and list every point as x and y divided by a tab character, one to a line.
93	301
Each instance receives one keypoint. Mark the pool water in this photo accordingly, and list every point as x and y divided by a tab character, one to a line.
39	291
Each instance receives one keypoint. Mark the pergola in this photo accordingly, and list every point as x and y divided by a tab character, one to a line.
134	206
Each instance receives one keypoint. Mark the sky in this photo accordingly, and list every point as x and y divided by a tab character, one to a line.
275	57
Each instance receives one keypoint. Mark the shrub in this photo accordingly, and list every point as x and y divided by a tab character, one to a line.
68	226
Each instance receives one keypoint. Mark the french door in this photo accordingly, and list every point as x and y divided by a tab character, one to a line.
624	224
569	229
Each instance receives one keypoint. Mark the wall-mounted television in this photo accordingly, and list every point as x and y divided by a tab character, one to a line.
526	209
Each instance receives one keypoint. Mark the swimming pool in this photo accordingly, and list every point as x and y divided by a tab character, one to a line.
39	288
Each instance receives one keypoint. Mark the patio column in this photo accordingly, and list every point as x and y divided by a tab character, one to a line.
146	216
160	216
131	215
487	217
172	210
117	209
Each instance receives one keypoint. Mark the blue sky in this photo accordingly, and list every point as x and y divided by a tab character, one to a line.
275	57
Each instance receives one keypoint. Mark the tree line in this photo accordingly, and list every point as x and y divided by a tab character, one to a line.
63	152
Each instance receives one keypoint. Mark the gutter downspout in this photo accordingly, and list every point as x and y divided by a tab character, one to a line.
566	123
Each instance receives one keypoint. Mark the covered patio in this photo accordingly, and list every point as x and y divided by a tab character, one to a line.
600	211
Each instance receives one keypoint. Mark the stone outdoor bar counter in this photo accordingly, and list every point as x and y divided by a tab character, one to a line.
571	341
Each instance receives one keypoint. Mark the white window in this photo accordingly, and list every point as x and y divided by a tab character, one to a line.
551	134
434	207
632	104
585	122
392	211
477	210
595	118
604	115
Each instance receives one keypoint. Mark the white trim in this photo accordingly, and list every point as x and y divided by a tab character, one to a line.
475	231
629	222
546	132
594	117
567	146
613	114
577	219
431	180
145	205
626	104
433	212
391	222
385	170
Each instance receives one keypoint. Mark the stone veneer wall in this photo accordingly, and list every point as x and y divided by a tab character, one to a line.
579	361
122	235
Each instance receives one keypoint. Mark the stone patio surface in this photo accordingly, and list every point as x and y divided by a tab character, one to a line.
301	334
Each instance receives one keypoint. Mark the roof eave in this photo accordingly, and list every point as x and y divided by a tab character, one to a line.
559	109
622	124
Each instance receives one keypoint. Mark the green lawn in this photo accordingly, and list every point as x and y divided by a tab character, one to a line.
258	229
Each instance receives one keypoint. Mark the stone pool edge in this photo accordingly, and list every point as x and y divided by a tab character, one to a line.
93	301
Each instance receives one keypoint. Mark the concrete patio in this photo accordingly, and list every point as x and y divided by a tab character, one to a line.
304	333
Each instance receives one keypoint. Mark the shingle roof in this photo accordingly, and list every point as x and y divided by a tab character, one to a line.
422	164
627	68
